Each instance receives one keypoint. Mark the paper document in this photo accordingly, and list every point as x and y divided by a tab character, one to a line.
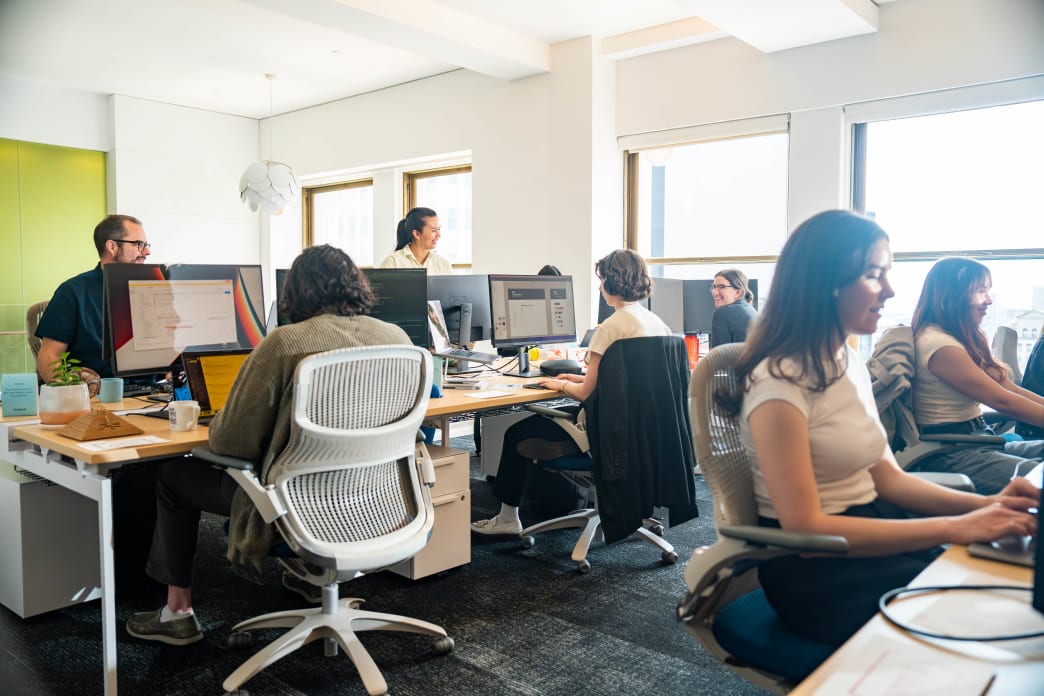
122	442
486	394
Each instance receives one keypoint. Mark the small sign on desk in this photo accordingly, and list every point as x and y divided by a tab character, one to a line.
19	394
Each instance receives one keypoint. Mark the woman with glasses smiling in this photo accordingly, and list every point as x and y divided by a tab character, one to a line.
733	312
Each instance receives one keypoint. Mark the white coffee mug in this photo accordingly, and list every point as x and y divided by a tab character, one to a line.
184	415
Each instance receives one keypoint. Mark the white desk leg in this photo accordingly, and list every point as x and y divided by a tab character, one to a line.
108	583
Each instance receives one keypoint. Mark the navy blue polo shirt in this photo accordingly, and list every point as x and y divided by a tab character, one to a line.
74	317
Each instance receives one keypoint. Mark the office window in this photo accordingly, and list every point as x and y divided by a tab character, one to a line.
959	183
341	215
720	199
447	191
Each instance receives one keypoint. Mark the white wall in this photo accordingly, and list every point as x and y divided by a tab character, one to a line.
41	114
177	169
921	46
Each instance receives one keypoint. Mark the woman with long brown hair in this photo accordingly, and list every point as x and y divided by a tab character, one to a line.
956	374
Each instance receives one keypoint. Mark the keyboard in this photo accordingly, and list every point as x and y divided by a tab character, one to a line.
533	385
1017	550
132	390
469	355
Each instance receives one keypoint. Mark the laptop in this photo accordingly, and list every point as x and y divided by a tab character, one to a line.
1020	550
209	376
440	340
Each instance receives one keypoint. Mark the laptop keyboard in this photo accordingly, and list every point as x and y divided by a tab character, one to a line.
471	355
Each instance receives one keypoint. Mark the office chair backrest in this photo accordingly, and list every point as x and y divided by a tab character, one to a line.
347	475
723	461
32	320
1006	349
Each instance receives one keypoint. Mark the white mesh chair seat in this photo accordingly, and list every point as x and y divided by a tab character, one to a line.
349	494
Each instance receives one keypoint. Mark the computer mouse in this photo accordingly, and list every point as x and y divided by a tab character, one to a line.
553	368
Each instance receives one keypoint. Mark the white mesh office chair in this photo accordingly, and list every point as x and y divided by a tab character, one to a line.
1005	349
725	609
349	494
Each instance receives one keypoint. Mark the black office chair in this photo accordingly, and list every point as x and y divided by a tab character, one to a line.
635	453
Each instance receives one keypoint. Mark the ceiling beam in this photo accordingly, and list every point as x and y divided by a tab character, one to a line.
777	25
427	29
662	37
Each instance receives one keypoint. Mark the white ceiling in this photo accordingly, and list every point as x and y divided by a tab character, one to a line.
214	54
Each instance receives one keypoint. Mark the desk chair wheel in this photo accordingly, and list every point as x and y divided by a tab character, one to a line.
240	639
528	542
669	557
583	566
657	529
442	646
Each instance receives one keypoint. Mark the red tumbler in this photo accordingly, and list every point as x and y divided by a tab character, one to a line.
692	345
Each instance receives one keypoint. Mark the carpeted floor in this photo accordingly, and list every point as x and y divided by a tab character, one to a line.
524	622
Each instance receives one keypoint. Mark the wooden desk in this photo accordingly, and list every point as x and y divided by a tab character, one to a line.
65	462
955	566
456	402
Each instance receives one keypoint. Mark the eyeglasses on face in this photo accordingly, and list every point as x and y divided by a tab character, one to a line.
721	287
142	246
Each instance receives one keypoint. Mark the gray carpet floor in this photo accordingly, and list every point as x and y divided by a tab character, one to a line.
524	622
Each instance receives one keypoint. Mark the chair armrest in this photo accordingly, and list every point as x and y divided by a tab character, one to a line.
958	482
225	462
963	439
792	541
242	471
425	465
549	412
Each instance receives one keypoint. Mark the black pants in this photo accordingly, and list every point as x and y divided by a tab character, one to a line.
186	488
133	520
514	472
829	599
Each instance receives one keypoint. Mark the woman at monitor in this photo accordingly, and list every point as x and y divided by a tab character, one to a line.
415	240
819	455
327	298
624	283
733	312
956	374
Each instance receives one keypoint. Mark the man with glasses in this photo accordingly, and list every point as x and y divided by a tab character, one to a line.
73	322
73	319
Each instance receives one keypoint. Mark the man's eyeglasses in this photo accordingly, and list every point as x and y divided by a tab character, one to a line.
142	246
721	287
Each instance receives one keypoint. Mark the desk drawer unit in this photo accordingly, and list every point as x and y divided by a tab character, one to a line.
450	543
48	545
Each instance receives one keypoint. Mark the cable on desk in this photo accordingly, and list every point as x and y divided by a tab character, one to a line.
887	597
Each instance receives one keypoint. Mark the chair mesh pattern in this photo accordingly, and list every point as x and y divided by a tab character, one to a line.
723	461
354	504
382	391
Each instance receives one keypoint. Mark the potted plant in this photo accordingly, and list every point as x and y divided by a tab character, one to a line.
65	398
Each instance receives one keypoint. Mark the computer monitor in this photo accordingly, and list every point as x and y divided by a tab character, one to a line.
463	297
401	297
248	294
666	301
530	310
699	304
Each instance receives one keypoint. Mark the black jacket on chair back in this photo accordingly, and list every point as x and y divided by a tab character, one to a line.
640	434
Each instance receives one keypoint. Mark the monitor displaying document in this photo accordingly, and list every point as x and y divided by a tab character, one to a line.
530	310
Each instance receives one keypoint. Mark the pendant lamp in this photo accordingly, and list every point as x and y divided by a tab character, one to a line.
268	185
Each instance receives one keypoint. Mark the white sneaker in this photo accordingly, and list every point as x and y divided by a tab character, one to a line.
494	526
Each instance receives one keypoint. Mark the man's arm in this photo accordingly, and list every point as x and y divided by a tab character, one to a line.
50	352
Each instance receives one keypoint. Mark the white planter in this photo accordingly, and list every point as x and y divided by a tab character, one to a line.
61	405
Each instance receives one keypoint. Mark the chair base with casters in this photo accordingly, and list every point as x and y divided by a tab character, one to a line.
577	469
336	624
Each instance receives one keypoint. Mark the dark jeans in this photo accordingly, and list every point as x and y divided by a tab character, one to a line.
989	468
186	488
828	599
133	520
514	472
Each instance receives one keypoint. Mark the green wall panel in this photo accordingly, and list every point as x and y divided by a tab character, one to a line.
62	197
10	235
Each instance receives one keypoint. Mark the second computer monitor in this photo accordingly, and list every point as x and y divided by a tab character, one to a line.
458	294
530	310
401	298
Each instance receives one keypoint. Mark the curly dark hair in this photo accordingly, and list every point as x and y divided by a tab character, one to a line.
624	273
324	279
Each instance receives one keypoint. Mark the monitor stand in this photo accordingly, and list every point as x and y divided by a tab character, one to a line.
459	366
523	365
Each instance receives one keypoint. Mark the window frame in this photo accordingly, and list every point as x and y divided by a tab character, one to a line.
409	189
308	194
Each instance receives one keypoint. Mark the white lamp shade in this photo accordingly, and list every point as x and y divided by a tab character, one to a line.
270	186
